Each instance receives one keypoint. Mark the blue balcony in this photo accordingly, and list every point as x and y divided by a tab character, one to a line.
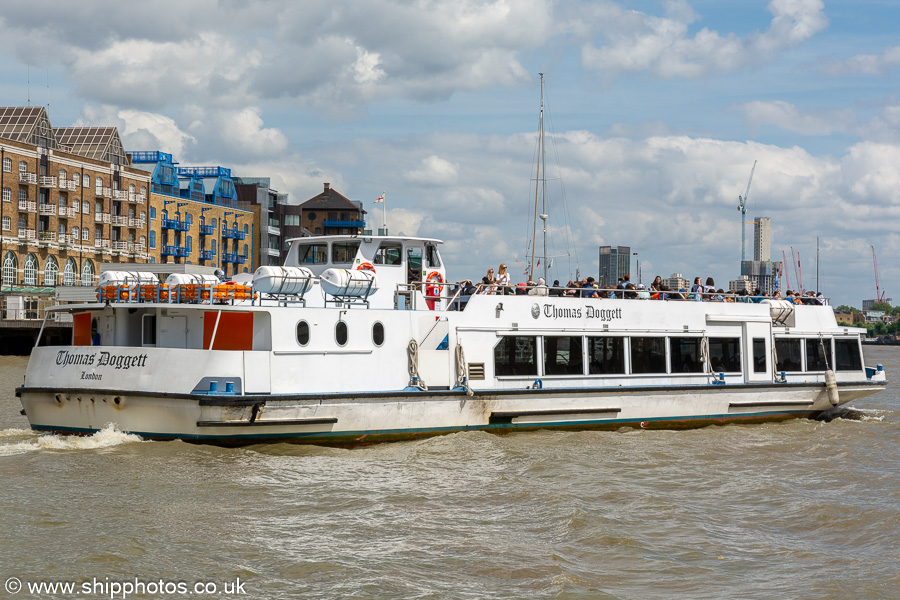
228	257
207	229
351	224
176	224
239	259
175	251
235	234
207	255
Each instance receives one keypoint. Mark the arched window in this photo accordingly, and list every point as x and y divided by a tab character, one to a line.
69	272
51	268
7	194
86	207
152	239
63	175
76	232
10	266
85	234
143	191
98	186
87	273
75	179
31	268
86	181
23	166
61	232
131	191
7	223
7	164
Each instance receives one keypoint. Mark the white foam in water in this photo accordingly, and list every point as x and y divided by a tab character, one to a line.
105	438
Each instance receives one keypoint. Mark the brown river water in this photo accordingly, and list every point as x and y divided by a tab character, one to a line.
801	509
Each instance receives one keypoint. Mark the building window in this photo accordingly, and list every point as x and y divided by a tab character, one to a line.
143	191
31	270
86	207
153	213
69	272
98	233
75	232
98	186
75	179
61	231
87	273
23	196
85	234
7	194
23	166
86	181
7	164
131	191
51	268
153	239
10	266
7	223
63	175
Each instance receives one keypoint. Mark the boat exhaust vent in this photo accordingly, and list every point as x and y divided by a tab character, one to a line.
476	371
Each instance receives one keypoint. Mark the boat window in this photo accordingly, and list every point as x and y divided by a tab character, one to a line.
312	254
378	334
787	353
847	356
817	351
606	355
725	355
414	264
432	258
515	355
343	253
388	253
148	330
340	333
760	356
562	355
648	355
686	355
303	333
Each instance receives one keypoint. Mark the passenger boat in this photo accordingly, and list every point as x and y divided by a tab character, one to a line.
360	339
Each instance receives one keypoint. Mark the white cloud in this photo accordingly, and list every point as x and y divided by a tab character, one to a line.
788	117
868	64
637	41
434	171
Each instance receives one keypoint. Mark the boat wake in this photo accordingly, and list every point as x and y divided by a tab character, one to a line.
20	441
850	413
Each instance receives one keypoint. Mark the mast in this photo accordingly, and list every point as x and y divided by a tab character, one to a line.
537	190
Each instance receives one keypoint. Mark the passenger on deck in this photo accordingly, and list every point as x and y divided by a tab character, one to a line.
555	290
540	289
696	290
656	285
629	291
709	289
487	283
503	280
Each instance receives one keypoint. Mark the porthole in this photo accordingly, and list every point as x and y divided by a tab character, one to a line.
303	333
378	334
340	333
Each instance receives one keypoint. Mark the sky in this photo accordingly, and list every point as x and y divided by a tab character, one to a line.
654	115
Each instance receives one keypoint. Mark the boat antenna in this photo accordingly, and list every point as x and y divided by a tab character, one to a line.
537	189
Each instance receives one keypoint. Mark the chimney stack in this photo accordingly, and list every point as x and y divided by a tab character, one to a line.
327	187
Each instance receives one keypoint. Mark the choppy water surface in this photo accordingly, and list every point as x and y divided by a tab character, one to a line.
802	509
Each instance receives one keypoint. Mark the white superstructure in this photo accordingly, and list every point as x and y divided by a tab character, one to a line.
359	340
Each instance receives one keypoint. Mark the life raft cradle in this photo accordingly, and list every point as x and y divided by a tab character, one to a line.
185	293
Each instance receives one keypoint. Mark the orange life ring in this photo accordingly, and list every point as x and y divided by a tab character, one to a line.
434	287
366	266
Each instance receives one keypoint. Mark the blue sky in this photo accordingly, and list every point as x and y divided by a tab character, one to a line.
657	111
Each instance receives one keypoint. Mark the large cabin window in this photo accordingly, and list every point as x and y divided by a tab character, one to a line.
389	253
414	264
606	355
847	356
432	258
343	253
648	355
817	352
686	355
562	355
787	352
725	355
148	330
312	254
515	355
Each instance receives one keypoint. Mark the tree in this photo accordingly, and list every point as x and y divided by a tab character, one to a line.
883	307
843	308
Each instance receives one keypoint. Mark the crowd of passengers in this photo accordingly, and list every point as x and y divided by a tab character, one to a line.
587	287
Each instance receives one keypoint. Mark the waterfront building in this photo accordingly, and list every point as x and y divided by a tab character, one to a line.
71	200
868	304
615	263
676	281
332	213
196	217
760	273
269	237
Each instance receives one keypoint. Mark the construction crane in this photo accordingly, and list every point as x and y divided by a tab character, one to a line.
742	207
879	294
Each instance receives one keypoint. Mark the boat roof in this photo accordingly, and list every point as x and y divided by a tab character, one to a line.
367	238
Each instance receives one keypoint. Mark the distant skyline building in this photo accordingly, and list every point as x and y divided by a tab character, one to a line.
615	263
676	281
762	239
760	272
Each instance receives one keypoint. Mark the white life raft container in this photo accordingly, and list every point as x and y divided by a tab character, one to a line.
283	280
191	279
348	283
126	278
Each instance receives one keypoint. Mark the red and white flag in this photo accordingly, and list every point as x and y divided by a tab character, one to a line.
379	198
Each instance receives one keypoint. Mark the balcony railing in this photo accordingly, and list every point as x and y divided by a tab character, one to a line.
103	192
46	236
67	239
28	205
47	208
65	184
120	246
48	181
207	229
228	257
101	243
240	259
101	217
350	224
120	195
207	255
25	177
133	222
68	211
138	198
136	247
27	234
119	221
176	224
236	234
